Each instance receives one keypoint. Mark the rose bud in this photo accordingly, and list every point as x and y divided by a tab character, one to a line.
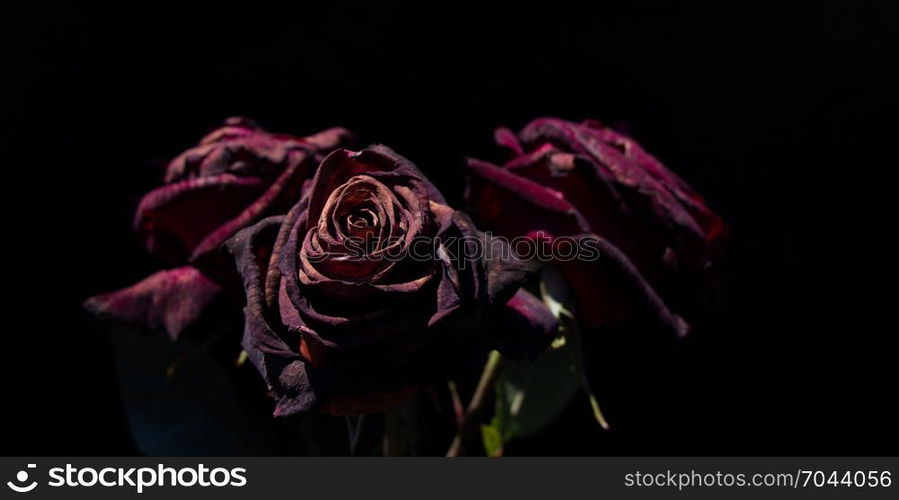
655	236
233	178
372	286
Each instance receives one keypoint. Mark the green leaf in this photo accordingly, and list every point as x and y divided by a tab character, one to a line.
529	396
597	412
493	441
559	297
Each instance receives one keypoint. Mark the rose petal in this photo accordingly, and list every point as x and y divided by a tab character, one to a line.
172	299
593	192
712	224
506	138
279	194
281	367
607	287
524	327
504	271
633	180
514	206
177	217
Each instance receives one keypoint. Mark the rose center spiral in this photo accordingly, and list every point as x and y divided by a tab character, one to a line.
362	222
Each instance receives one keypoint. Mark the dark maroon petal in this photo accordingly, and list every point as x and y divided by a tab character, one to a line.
281	367
615	281
237	175
624	194
602	295
582	185
524	328
190	163
401	171
711	223
377	161
234	127
504	272
286	187
240	151
607	289
506	138
273	271
243	148
172	299
336	169
329	139
642	187
177	217
593	192
514	206
346	314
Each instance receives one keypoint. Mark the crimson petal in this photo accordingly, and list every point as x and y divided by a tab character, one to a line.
524	327
172	299
175	218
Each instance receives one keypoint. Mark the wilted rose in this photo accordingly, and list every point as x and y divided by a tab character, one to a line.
233	178
360	293
656	236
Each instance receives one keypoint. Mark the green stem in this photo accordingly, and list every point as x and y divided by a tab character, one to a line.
577	340
469	426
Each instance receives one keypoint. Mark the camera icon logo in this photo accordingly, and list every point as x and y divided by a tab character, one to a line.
19	485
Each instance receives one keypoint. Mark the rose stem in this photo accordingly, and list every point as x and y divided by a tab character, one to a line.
458	408
469	424
578	347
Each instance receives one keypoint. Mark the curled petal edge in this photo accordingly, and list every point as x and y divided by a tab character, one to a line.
283	369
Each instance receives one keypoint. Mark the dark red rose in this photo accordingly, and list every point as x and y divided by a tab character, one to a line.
233	178
656	236
371	286
236	176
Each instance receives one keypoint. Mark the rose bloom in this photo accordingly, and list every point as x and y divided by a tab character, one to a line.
343	316
234	177
656	237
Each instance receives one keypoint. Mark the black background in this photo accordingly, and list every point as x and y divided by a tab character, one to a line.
782	116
